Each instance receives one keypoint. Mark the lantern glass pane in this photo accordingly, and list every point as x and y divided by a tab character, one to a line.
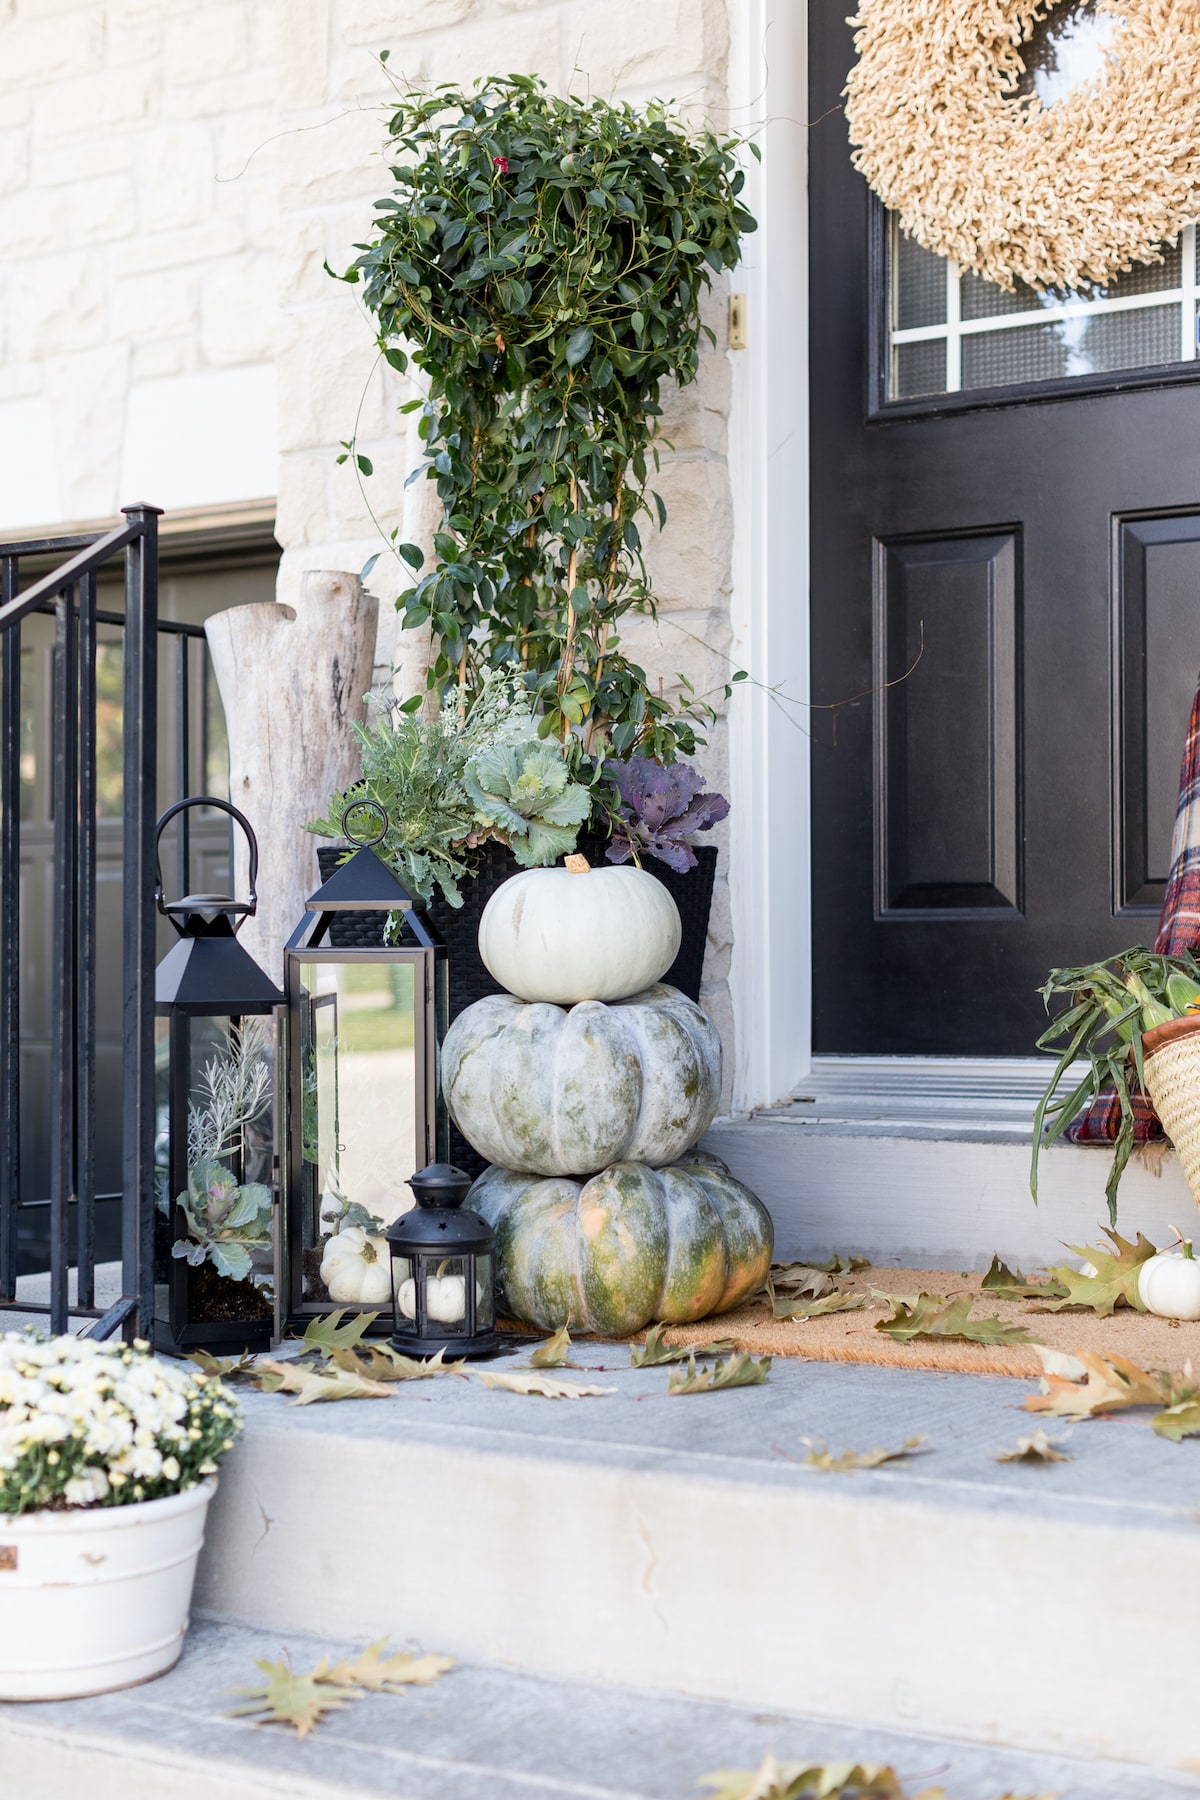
214	1150
403	1303
445	1293
485	1292
360	1090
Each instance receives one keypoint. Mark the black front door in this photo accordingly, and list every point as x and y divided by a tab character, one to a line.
1006	617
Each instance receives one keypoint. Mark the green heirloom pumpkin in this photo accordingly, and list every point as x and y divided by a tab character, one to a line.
629	1245
553	1090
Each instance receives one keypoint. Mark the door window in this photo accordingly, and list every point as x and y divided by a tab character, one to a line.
950	332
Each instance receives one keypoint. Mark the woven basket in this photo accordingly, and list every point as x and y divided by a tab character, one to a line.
1172	1064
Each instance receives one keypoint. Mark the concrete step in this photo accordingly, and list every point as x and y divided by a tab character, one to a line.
482	1733
679	1545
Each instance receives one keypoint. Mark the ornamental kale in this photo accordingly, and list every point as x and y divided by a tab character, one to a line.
524	794
660	806
225	1220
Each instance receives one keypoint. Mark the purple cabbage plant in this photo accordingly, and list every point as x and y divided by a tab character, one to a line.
661	805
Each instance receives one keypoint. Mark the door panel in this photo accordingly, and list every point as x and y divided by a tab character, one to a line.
1005	805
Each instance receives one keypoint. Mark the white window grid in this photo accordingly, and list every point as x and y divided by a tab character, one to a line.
956	328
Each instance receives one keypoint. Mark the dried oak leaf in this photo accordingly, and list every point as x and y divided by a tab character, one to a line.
311	1385
376	1362
329	1333
1114	1281
741	1370
1179	1421
382	1674
223	1368
1113	1382
1036	1448
932	1315
799	1278
814	1309
286	1698
773	1780
820	1457
520	1381
554	1353
1009	1284
655	1352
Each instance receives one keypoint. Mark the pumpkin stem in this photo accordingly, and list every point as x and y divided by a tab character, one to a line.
578	865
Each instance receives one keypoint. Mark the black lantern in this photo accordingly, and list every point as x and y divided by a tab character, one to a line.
364	1027
443	1271
215	1059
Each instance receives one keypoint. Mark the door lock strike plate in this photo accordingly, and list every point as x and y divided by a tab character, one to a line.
737	321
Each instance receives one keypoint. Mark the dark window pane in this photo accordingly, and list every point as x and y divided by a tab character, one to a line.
920	279
920	369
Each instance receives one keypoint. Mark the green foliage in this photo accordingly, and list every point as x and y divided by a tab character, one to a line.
931	1315
224	1220
543	259
1109	1006
473	771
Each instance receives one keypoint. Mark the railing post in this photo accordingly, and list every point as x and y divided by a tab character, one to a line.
10	932
140	809
64	1019
85	1079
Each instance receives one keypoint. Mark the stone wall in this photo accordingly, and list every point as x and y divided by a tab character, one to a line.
173	176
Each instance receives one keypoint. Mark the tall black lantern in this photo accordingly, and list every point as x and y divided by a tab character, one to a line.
215	1064
364	1108
443	1271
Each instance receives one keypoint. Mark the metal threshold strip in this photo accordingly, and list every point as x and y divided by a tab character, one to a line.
922	1096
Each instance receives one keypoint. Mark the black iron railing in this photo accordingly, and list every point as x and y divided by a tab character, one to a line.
69	593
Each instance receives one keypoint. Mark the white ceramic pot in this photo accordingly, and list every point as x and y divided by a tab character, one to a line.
96	1598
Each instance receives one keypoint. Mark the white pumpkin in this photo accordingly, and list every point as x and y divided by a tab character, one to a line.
548	1090
357	1268
1169	1283
578	933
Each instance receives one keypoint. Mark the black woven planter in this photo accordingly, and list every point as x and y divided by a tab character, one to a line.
458	928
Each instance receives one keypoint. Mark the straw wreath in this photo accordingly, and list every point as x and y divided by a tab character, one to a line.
1061	196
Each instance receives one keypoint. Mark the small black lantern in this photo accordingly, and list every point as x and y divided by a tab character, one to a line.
215	1062
443	1270
365	1024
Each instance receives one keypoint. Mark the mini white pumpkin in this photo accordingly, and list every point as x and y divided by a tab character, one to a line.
1169	1283
357	1268
578	933
445	1298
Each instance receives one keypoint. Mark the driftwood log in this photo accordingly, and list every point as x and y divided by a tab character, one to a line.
293	680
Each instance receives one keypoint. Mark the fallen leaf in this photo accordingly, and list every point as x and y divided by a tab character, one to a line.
1114	1283
286	1698
815	1309
310	1385
224	1368
380	1674
931	1315
800	1278
520	1382
1112	1383
1179	1421
1059	1362
378	1362
1034	1449
654	1352
820	1457
740	1371
843	1265
773	1780
1009	1284
329	1333
553	1354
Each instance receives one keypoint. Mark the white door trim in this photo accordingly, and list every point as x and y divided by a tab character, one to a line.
770	840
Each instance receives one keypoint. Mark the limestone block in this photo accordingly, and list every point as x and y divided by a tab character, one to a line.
18	380
616	42
14	160
87	399
535	48
358	501
78	107
239	313
210	42
716	1000
201	245
31	223
340	161
161	357
154	305
218	96
328	365
697	417
101	209
691	644
299	250
302	511
39	49
689	560
175	177
387	21
15	109
56	304
304	53
56	162
292	681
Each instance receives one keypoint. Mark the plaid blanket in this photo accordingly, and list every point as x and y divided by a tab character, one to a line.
1178	930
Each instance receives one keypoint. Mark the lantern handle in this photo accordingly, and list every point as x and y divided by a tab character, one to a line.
247	908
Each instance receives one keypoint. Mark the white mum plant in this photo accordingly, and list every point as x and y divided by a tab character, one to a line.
97	1424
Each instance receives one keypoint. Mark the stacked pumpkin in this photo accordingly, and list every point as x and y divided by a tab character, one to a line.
586	1086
